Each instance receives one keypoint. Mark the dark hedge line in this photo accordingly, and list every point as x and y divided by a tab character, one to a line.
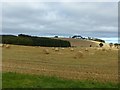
99	40
33	41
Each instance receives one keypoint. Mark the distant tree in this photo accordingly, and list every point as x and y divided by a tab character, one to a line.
56	37
90	45
89	38
116	44
101	44
83	38
23	35
77	36
99	40
111	45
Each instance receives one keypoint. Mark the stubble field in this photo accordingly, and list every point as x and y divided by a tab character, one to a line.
95	64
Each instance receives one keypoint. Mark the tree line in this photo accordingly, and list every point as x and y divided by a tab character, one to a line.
28	40
89	38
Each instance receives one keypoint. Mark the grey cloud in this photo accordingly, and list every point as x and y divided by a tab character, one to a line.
88	19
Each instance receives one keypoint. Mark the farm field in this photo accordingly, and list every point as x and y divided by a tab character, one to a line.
80	42
95	64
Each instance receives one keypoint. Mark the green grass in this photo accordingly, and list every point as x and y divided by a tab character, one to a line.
17	80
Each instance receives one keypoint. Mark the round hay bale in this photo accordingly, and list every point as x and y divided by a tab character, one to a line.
79	54
7	46
95	48
86	50
99	49
62	48
33	47
46	51
60	53
117	47
103	49
56	49
1	45
71	49
53	48
91	53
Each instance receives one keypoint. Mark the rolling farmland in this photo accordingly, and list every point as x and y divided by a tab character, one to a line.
97	64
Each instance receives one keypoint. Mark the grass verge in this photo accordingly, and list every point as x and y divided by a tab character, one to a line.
17	80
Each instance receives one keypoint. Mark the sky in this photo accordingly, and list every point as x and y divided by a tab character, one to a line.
93	19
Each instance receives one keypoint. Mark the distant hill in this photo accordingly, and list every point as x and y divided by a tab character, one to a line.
80	42
75	42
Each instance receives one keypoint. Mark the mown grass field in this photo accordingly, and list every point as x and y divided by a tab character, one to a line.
29	63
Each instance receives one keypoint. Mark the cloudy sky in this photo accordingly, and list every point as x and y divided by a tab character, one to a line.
94	19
